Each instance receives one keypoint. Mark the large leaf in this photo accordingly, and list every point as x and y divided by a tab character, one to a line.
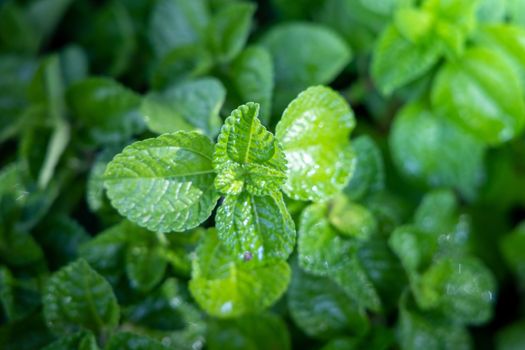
432	150
247	156
324	252
227	288
321	309
304	54
76	298
229	29
314	132
107	109
185	106
481	93
256	227
164	184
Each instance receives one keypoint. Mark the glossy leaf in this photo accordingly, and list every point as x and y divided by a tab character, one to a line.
485	97
226	288
247	156
164	184
314	132
324	252
77	298
304	54
185	106
432	150
321	309
229	29
106	108
256	227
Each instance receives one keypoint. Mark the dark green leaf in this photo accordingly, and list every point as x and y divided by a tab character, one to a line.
130	341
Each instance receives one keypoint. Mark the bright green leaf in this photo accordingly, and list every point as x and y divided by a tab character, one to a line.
314	132
164	184
226	288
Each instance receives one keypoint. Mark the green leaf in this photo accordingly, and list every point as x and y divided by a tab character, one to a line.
228	30
511	337
253	332
106	108
16	32
321	309
80	341
413	60
415	248
176	23
314	131
481	93
252	76
463	290
516	11
226	288
492	10
256	227
130	341
164	184
77	298
19	297
324	252
186	106
304	54
437	213
351	219
247	156
431	149
513	248
369	174
145	266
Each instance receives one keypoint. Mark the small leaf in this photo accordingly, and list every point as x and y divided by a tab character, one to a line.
186	106
145	267
351	219
77	298
229	29
247	156
226	288
415	248
130	341
481	93
256	227
314	131
164	184
321	309
304	54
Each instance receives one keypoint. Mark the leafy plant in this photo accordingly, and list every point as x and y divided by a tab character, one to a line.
236	174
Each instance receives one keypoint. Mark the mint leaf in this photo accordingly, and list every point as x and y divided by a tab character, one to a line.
228	30
429	148
415	248
131	341
145	266
185	106
481	93
512	247
226	288
247	156
303	54
321	309
164	184
314	131
252	76
256	227
80	341
77	298
351	219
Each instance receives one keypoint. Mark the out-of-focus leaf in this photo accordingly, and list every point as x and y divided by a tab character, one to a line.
19	297
314	132
513	248
84	340
511	337
351	219
145	266
131	341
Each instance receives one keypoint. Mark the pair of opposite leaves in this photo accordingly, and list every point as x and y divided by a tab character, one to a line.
173	182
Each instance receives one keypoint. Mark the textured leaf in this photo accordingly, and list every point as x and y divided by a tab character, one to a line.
176	23
106	108
314	132
76	298
321	309
351	219
429	148
482	94
369	174
164	184
185	106
323	252
464	290
130	341
413	60
252	76
256	227
226	288
303	54
253	332
247	156
229	29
